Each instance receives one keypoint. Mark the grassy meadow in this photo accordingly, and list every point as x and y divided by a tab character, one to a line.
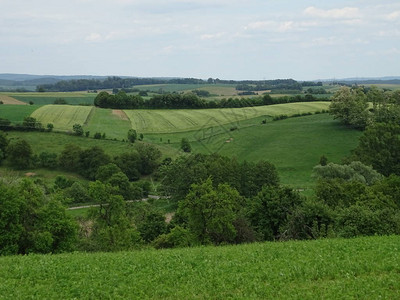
16	113
359	268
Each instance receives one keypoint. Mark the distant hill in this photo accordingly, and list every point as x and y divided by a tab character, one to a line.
366	80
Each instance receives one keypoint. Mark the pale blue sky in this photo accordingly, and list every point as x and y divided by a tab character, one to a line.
250	39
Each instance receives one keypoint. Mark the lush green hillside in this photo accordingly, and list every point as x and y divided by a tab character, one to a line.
294	145
361	268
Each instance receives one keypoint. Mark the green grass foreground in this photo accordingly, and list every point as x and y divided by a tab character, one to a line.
361	268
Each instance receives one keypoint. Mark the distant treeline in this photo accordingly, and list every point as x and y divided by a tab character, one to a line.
126	83
190	101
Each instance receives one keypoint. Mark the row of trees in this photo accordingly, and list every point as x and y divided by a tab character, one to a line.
190	101
127	83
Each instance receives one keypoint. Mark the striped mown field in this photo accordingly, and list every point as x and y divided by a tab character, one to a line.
63	117
180	120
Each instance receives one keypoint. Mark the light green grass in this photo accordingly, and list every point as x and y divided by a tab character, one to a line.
165	121
49	97
294	145
104	121
63	117
16	113
360	268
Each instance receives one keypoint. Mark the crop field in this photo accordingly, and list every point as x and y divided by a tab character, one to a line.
360	268
49	97
166	121
10	100
16	113
63	117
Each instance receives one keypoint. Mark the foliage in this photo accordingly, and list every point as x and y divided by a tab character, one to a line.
3	145
211	212
351	107
379	146
269	210
19	154
132	135
112	228
129	163
90	160
69	157
32	223
248	178
355	171
149	156
185	145
78	130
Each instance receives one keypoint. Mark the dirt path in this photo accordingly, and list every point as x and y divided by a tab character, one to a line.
120	114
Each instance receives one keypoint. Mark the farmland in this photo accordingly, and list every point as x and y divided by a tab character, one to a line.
168	121
63	117
49	98
361	268
16	113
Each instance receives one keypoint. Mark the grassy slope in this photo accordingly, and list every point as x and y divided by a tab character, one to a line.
293	145
166	121
362	268
103	120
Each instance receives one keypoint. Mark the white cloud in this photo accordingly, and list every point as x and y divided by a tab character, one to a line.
212	36
94	37
393	16
336	13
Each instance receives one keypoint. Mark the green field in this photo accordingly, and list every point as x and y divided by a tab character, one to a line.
73	98
167	121
360	268
294	145
63	117
105	121
16	113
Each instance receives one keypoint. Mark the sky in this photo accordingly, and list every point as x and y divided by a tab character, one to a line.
226	39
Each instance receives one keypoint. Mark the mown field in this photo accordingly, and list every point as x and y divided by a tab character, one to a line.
167	121
360	268
63	117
